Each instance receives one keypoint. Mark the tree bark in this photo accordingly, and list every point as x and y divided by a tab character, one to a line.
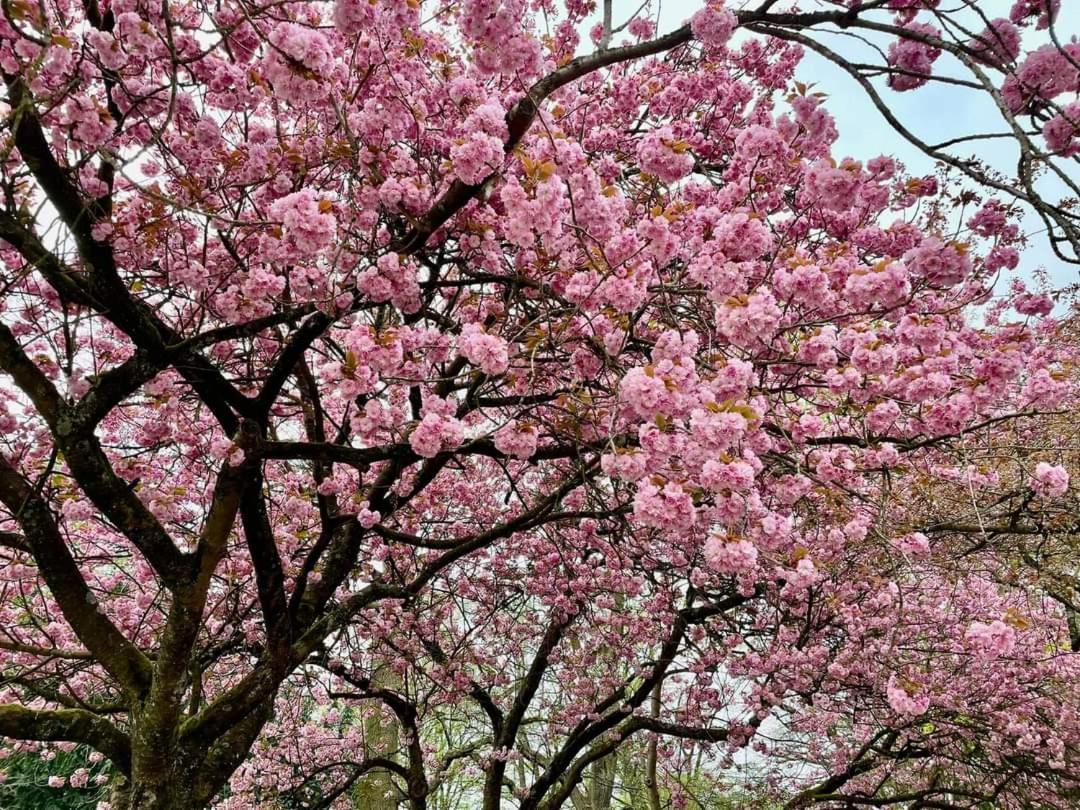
376	790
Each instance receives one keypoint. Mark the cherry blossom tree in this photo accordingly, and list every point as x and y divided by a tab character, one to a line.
418	403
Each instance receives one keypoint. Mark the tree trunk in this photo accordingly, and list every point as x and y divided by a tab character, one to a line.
120	793
652	786
123	795
602	782
166	775
376	790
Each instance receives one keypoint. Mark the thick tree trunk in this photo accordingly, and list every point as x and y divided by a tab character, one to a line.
120	793
174	791
168	776
376	790
124	795
602	782
161	797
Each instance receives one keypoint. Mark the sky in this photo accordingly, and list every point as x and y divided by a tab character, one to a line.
936	111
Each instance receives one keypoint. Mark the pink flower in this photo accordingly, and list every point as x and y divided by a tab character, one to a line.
741	237
516	439
803	575
366	516
434	434
884	416
56	781
488	352
663	155
299	63
1043	10
645	391
941	264
714	25
1044	73
80	778
107	49
729	555
670	508
738	476
906	697
1062	132
990	220
750	322
77	384
353	16
391	279
476	156
914	57
308	223
916	544
832	187
1049	480
1034	304
641	28
886	284
999	43
717	431
991	640
1043	391
627	465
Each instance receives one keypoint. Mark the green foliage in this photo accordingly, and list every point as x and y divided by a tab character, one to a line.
25	784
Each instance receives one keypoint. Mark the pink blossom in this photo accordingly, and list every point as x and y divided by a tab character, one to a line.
353	16
730	555
751	321
916	543
1044	73
516	439
107	48
1044	391
941	264
670	508
717	431
628	466
435	434
886	284
990	219
832	187
1044	11
883	417
991	640
391	279
1062	132
641	28
1034	304
713	25
999	43
308	222
298	63
367	517
665	156
913	56
476	156
489	353
905	697
737	476
742	237
1049	480
80	778
646	391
